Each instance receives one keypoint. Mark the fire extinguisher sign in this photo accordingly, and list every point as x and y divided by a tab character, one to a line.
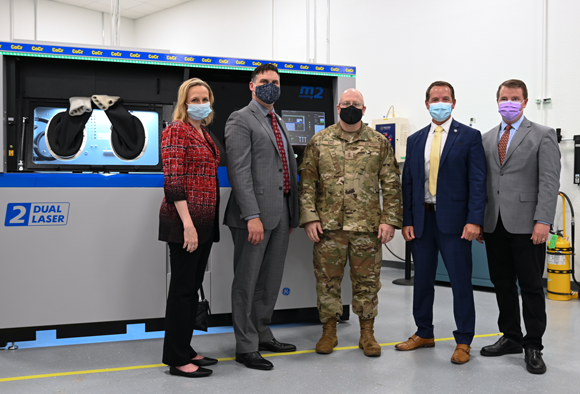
556	259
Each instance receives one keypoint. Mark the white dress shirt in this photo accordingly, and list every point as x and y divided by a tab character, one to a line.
429	198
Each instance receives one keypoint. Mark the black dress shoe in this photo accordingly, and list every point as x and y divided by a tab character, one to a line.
200	373
254	360
274	346
534	362
502	346
204	362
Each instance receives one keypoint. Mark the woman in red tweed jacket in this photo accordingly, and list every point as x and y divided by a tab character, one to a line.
188	220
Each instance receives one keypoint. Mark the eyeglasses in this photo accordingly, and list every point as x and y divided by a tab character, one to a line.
346	104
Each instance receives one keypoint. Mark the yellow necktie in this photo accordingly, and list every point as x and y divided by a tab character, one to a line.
434	160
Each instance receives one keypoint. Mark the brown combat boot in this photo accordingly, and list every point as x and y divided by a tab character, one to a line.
328	340
367	341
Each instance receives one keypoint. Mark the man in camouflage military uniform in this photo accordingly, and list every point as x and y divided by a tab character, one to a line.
343	167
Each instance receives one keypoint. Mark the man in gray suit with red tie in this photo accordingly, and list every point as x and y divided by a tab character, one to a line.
523	178
261	212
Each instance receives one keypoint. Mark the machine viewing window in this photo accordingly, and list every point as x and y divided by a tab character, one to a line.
302	125
96	149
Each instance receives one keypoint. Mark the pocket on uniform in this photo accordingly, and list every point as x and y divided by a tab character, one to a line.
459	196
259	190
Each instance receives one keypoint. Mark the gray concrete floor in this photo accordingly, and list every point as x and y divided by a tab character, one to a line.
346	370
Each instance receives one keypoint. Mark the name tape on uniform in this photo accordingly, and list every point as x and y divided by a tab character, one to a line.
37	214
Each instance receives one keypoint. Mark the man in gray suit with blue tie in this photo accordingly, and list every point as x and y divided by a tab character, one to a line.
523	178
261	212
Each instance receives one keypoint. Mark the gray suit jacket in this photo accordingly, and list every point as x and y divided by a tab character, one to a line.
525	189
255	170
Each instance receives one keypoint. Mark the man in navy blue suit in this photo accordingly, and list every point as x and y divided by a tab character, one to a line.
444	188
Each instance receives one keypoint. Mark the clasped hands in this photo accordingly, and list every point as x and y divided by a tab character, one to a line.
470	232
313	229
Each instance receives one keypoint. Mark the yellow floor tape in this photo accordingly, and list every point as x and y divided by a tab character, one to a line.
52	375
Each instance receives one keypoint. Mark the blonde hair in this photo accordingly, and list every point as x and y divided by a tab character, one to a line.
180	112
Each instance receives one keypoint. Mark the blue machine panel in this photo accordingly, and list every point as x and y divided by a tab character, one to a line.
388	130
59	179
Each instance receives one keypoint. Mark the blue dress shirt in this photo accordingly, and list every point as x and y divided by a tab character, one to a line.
513	131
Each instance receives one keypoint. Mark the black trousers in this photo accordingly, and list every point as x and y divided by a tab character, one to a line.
511	258
187	271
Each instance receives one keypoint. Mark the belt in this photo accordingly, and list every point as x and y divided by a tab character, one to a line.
430	207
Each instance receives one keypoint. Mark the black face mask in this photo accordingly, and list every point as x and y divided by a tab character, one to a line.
351	115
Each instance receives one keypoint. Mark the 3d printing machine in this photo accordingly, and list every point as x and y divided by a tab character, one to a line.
79	242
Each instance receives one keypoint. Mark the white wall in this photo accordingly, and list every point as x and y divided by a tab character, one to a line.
4	20
401	47
212	28
562	87
58	22
398	49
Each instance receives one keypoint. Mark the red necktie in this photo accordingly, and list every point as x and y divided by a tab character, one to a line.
503	143
280	143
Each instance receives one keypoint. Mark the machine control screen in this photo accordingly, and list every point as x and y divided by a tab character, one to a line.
389	131
302	125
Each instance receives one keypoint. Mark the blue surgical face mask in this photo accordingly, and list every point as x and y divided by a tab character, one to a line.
268	93
198	111
440	111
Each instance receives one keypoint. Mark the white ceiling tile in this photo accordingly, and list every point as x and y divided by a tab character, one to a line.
78	3
165	3
126	4
98	7
132	9
132	14
146	8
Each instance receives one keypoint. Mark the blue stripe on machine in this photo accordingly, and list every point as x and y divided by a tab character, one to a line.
16	180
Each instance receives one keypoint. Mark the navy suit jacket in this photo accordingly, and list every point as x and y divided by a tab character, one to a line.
461	181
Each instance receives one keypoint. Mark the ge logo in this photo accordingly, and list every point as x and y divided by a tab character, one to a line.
286	291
